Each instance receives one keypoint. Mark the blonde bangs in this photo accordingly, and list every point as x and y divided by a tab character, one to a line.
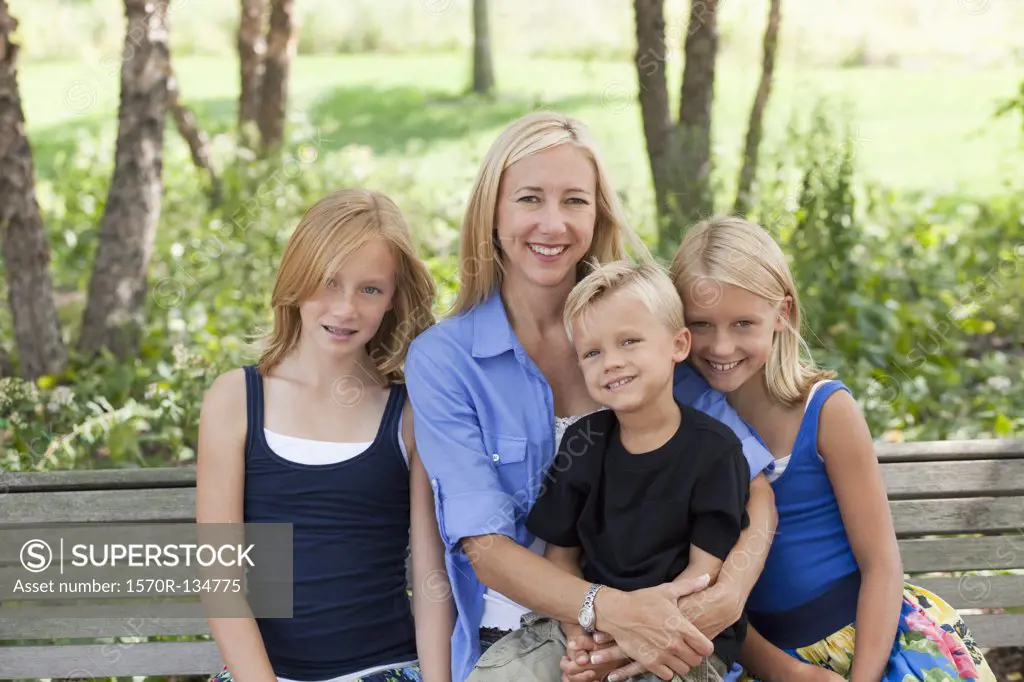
732	251
327	235
480	268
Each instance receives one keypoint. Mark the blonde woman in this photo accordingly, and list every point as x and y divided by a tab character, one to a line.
496	384
318	434
835	560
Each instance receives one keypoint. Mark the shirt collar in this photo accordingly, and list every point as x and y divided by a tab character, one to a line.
492	333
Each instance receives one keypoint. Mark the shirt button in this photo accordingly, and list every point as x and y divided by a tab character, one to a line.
495	457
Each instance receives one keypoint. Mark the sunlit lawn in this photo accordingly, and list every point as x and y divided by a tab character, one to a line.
916	130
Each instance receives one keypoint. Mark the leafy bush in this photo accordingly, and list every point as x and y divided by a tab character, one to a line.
913	299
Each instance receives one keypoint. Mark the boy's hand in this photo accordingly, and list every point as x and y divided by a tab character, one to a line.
575	664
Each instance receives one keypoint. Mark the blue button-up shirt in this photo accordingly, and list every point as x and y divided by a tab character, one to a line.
484	427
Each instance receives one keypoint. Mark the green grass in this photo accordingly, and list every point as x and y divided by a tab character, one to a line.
915	130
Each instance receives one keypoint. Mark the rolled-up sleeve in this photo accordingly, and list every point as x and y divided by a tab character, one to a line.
469	497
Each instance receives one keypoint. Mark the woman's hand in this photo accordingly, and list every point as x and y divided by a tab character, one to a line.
649	629
712	610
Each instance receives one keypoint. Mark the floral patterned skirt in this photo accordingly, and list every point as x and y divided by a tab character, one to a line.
932	645
409	673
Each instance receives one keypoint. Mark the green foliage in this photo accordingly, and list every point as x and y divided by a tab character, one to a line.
912	298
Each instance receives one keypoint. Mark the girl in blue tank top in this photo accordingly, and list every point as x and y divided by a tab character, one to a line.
834	560
318	434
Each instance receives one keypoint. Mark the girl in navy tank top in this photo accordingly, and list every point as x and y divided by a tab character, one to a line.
318	434
834	560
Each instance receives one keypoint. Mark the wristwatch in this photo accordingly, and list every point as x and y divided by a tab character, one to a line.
586	614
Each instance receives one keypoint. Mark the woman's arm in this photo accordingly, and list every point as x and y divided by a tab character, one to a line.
845	444
567	559
646	624
220	483
432	603
721	605
478	516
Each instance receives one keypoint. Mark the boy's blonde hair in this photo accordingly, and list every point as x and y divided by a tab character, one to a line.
647	282
480	265
331	231
731	250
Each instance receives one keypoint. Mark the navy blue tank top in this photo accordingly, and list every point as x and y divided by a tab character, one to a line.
350	536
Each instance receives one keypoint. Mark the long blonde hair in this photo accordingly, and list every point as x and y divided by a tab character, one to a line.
481	268
329	232
731	250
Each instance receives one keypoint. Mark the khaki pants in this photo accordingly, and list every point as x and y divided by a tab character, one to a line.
532	654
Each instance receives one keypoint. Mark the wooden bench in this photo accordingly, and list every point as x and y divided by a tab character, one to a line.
958	507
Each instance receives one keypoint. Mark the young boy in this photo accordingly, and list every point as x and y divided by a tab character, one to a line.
645	492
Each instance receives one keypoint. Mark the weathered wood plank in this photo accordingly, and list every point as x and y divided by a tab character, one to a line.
123	506
121	575
971	515
996	631
945	450
931	480
61	622
98	479
977	591
922	555
109	660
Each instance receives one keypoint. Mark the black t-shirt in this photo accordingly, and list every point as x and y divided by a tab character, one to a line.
635	515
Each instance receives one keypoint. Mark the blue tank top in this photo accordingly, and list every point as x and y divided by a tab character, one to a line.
811	571
349	540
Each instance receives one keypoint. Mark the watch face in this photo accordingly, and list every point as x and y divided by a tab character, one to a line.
586	618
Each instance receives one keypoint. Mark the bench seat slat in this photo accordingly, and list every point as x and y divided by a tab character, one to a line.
996	631
960	515
930	480
109	660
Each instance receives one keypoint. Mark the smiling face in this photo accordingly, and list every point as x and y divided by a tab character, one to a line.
732	333
627	354
546	215
345	313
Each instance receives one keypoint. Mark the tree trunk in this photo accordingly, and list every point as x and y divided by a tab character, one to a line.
654	107
26	255
115	308
198	142
483	67
252	47
695	99
281	40
756	127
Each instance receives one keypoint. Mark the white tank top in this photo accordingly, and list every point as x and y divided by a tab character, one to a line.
500	611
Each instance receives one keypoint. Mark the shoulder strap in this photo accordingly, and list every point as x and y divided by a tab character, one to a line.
391	422
253	404
807	436
825	390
